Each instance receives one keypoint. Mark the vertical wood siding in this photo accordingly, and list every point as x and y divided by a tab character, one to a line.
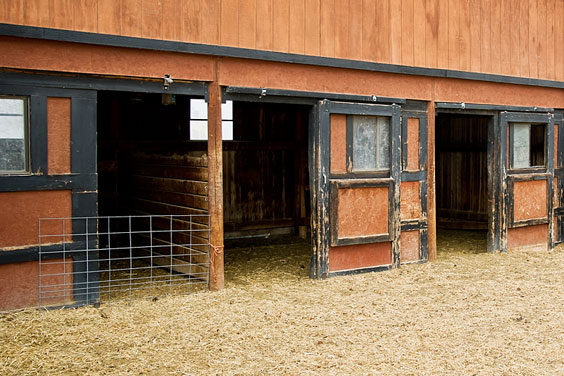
512	37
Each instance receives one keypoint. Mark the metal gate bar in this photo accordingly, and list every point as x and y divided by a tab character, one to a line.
87	260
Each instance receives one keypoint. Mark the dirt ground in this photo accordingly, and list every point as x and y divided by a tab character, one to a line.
468	313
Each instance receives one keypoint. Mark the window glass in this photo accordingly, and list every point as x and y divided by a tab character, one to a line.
12	135
528	145
371	143
199	120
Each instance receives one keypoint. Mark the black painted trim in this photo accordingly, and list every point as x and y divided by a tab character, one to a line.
488	107
83	85
15	183
243	53
38	134
360	270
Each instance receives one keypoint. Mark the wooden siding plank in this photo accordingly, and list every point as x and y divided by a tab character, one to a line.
542	41
151	19
369	30
453	34
109	16
419	33
475	37
327	39
264	25
61	14
312	27
210	21
395	31
355	29
131	18
495	17
85	15
36	13
550	74
464	36
12	11
248	18
485	26
533	39
172	29
442	35
281	27
515	32
524	38
505	37
383	48
191	25
342	28
229	25
407	29
558	41
297	26
431	31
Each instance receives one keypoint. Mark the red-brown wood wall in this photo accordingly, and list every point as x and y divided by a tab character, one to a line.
510	37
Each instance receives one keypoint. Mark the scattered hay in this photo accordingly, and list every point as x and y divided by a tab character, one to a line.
467	313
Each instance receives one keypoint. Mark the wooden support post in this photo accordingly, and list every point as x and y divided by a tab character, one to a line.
215	186
432	233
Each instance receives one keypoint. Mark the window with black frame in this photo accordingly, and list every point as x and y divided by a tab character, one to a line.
370	143
528	145
13	135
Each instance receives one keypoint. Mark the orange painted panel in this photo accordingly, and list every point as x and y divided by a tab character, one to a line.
172	26
264	25
475	36
297	26
192	21
542	53
61	14
515	37
395	31
527	236
355	30
58	135
327	27
505	36
342	29
360	256
27	208
453	34
410	244
312	28
410	200
413	144
485	30
338	143
495	30
11	11
248	18
210	21
419	42
36	13
131	18
109	16
280	25
407	57
529	200
524	38
464	36
442	34
85	14
382	20
152	19
369	30
362	211
558	41
431	32
550	39
19	283
533	38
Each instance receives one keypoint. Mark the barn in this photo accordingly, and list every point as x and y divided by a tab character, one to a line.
137	135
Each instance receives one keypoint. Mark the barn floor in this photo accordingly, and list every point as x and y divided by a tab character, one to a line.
468	313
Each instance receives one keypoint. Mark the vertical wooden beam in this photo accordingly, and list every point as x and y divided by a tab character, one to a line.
432	220
215	183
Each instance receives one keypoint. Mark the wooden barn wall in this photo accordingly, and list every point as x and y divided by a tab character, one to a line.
511	37
265	167
461	168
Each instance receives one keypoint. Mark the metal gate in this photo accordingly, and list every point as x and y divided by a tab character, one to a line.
89	260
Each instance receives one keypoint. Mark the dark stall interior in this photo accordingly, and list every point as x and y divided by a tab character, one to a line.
265	172
461	172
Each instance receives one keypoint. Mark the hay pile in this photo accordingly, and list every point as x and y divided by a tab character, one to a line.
468	313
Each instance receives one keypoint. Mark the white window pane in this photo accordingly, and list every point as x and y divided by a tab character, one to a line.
198	109
12	127
364	143
383	143
521	145
11	106
198	129
227	130
227	110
